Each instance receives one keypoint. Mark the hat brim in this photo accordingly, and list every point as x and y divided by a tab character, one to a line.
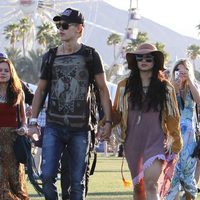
66	19
131	57
57	18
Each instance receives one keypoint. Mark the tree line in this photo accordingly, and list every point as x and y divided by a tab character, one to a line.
114	40
28	62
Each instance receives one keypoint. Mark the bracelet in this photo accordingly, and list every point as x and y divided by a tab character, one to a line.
33	121
109	122
33	124
24	126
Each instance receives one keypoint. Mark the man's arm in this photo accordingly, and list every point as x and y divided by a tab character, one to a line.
106	104
39	96
38	99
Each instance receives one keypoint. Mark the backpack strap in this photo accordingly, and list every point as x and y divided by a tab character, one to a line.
49	58
88	53
89	58
51	54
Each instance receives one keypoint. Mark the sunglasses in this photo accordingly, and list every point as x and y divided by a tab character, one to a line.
64	25
147	58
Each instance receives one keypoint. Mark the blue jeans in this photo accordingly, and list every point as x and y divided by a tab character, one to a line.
54	141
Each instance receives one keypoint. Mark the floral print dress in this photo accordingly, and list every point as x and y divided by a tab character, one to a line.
184	176
12	176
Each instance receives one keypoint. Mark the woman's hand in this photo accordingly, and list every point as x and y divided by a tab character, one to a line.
184	75
22	130
177	86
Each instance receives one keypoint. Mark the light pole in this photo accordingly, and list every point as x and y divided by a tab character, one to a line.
131	32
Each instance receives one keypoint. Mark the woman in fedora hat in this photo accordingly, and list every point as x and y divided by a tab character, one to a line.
150	120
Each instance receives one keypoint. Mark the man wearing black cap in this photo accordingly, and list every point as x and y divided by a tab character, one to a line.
68	119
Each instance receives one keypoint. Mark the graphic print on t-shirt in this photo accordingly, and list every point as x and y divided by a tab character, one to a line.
69	92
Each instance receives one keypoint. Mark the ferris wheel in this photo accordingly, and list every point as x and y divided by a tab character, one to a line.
39	11
131	31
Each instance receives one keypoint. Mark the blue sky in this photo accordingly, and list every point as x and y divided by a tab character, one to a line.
181	16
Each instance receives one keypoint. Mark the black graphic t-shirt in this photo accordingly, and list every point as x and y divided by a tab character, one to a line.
69	94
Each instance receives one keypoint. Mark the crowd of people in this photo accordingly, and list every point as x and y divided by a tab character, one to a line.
154	112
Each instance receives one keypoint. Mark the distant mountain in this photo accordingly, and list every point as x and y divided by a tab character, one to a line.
115	19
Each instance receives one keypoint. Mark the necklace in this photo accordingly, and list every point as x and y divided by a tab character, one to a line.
139	118
145	89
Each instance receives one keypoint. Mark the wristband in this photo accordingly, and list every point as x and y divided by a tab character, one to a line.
109	122
33	121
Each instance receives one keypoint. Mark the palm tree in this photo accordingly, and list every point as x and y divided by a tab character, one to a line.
47	37
14	54
160	46
114	39
24	30
54	41
11	33
28	67
44	34
112	72
141	38
34	63
193	52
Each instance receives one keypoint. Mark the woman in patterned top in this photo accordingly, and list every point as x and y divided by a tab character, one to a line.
188	96
12	174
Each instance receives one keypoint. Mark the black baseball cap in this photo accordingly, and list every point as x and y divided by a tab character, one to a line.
3	55
70	16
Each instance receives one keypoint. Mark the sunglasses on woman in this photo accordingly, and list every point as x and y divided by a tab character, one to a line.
64	25
147	58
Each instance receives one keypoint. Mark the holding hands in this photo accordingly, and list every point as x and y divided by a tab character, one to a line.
22	130
34	132
106	131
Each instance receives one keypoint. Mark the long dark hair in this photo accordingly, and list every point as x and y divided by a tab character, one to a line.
156	94
14	90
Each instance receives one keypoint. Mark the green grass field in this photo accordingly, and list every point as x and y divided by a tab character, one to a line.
105	184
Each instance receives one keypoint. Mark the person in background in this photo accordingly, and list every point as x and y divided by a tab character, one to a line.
149	117
28	99
197	171
28	94
68	120
38	143
188	96
12	173
167	74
